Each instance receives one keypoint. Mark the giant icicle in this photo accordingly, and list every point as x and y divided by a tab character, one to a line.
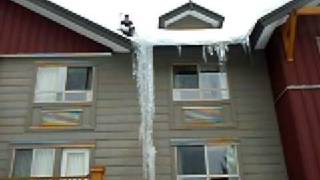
143	71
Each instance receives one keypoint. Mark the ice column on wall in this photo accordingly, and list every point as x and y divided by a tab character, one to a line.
143	71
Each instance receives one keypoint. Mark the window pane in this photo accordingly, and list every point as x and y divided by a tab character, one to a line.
185	77
79	78
65	117
42	163
191	160
213	80
75	162
50	84
203	115
222	160
22	163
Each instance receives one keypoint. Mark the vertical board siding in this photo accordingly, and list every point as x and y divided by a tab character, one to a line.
298	110
23	31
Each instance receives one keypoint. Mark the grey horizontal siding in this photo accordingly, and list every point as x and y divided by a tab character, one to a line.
117	118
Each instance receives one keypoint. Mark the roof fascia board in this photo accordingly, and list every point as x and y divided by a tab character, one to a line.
71	21
272	17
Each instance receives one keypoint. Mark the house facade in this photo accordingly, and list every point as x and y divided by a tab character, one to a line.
69	102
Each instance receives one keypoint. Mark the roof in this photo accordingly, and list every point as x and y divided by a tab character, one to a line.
191	6
266	25
78	24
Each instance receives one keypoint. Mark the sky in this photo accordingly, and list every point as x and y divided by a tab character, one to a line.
240	17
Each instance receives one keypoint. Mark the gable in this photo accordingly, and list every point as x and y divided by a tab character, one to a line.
27	31
190	16
190	22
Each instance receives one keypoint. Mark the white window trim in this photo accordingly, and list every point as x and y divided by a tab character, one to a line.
227	90
89	93
195	14
207	175
65	153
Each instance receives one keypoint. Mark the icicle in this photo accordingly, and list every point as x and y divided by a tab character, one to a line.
221	50
246	45
210	50
179	47
134	67
204	54
145	85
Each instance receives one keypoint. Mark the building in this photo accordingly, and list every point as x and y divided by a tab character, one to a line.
69	104
293	55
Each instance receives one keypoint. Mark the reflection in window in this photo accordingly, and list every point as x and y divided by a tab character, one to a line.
41	162
191	82
34	162
185	77
60	84
207	162
61	117
207	115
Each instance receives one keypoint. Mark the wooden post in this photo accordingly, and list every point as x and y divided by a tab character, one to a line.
97	173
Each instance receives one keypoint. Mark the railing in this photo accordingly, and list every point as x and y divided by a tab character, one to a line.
96	173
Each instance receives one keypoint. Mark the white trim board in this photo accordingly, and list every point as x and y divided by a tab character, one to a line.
195	14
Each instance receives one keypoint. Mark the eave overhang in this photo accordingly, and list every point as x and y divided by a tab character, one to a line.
267	24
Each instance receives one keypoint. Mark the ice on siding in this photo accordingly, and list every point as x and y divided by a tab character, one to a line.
143	71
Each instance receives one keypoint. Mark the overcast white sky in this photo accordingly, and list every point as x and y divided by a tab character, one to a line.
240	15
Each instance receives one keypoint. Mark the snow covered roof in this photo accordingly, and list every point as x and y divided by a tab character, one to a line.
100	20
240	18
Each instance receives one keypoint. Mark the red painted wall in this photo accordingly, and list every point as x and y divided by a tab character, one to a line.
298	110
23	31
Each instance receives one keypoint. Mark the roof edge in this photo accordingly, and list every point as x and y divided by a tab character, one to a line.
273	16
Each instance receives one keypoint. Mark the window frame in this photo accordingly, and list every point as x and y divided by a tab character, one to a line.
66	65
33	149
198	67
63	163
207	176
58	151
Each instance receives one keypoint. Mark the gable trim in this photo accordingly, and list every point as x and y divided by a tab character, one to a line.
78	24
268	23
200	12
195	14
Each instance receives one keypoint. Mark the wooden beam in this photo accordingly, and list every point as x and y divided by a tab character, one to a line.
309	11
97	173
289	36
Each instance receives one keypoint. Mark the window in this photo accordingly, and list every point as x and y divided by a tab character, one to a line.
34	162
68	117
206	115
202	162
42	162
75	162
193	83
63	84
